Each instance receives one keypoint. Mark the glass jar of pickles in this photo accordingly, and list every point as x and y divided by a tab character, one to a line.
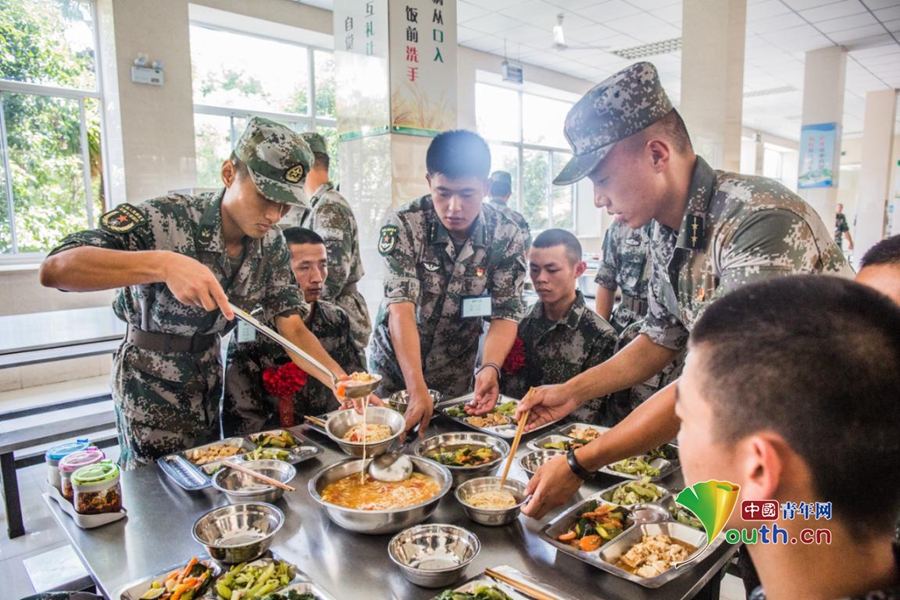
97	489
56	454
71	463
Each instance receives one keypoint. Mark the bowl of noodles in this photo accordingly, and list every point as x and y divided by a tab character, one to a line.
486	503
366	435
352	499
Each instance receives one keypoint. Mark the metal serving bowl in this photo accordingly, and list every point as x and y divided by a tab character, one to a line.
532	461
338	425
434	556
463	474
238	532
492	516
400	400
378	521
240	487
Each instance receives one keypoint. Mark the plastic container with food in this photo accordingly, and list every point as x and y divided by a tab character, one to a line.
97	489
56	454
71	463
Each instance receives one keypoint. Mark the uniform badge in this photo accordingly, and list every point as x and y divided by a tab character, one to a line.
479	272
701	293
431	267
122	219
294	174
387	240
695	238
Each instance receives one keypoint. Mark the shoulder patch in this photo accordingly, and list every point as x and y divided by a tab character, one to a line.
123	219
387	240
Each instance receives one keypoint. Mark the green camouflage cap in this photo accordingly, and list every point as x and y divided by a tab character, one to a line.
618	107
316	142
501	177
278	160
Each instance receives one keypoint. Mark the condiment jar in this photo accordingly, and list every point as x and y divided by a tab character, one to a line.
97	489
71	463
56	454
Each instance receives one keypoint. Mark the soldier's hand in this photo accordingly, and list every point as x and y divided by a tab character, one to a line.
487	390
419	411
547	403
193	284
552	485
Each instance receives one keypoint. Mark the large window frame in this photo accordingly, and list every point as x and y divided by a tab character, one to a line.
522	147
8	87
311	121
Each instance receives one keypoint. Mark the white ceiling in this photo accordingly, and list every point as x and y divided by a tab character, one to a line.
779	33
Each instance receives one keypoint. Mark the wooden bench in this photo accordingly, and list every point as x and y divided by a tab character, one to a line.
30	437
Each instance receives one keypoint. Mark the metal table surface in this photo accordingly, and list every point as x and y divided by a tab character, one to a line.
156	535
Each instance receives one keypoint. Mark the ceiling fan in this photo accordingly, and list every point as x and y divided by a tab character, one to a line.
559	38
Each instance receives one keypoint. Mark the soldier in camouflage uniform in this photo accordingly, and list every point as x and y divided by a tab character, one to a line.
247	406
842	229
451	261
561	336
500	193
713	232
179	260
329	214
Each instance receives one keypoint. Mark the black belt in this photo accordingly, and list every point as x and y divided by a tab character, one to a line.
167	342
635	305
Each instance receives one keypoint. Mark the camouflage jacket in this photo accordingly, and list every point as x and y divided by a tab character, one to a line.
422	266
516	217
737	229
329	214
840	226
625	265
556	351
249	408
192	226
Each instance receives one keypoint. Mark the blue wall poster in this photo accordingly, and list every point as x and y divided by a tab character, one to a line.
817	156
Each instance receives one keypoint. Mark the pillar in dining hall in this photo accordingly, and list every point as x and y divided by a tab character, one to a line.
712	78
824	83
875	170
396	74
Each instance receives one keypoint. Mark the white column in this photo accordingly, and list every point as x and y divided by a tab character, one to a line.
712	78
875	169
823	102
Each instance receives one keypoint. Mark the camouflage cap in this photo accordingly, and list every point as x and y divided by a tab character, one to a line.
618	107
316	142
278	160
501	177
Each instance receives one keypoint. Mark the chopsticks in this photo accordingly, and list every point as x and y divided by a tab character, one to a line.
519	585
259	476
515	444
314	420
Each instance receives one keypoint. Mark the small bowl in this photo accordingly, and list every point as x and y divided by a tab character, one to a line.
492	516
400	400
464	474
338	424
238	532
649	513
240	487
434	556
532	461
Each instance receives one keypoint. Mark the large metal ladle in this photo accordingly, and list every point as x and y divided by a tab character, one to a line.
352	389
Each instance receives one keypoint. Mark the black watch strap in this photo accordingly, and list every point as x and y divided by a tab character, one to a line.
576	467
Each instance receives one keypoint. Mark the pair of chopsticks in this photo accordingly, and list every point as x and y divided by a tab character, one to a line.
515	444
314	420
259	476
519	585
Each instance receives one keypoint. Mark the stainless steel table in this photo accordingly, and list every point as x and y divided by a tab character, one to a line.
157	535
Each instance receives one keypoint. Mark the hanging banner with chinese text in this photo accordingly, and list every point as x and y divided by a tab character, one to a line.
817	156
423	66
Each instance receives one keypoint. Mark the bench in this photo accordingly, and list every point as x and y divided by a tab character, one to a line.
29	437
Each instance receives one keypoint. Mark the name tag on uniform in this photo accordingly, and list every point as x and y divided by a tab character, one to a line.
475	306
245	333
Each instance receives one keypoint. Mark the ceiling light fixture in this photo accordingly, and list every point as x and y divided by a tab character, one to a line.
653	49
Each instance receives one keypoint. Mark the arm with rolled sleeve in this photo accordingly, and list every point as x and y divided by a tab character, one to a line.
606	277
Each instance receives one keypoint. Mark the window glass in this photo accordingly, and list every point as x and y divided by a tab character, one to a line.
497	113
543	120
535	197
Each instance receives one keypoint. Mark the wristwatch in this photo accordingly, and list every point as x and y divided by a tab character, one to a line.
576	467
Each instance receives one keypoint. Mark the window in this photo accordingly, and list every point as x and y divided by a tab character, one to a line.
51	172
525	134
239	75
781	163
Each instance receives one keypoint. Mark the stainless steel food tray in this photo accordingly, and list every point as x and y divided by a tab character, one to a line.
136	589
304	449
505	431
561	433
484	579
